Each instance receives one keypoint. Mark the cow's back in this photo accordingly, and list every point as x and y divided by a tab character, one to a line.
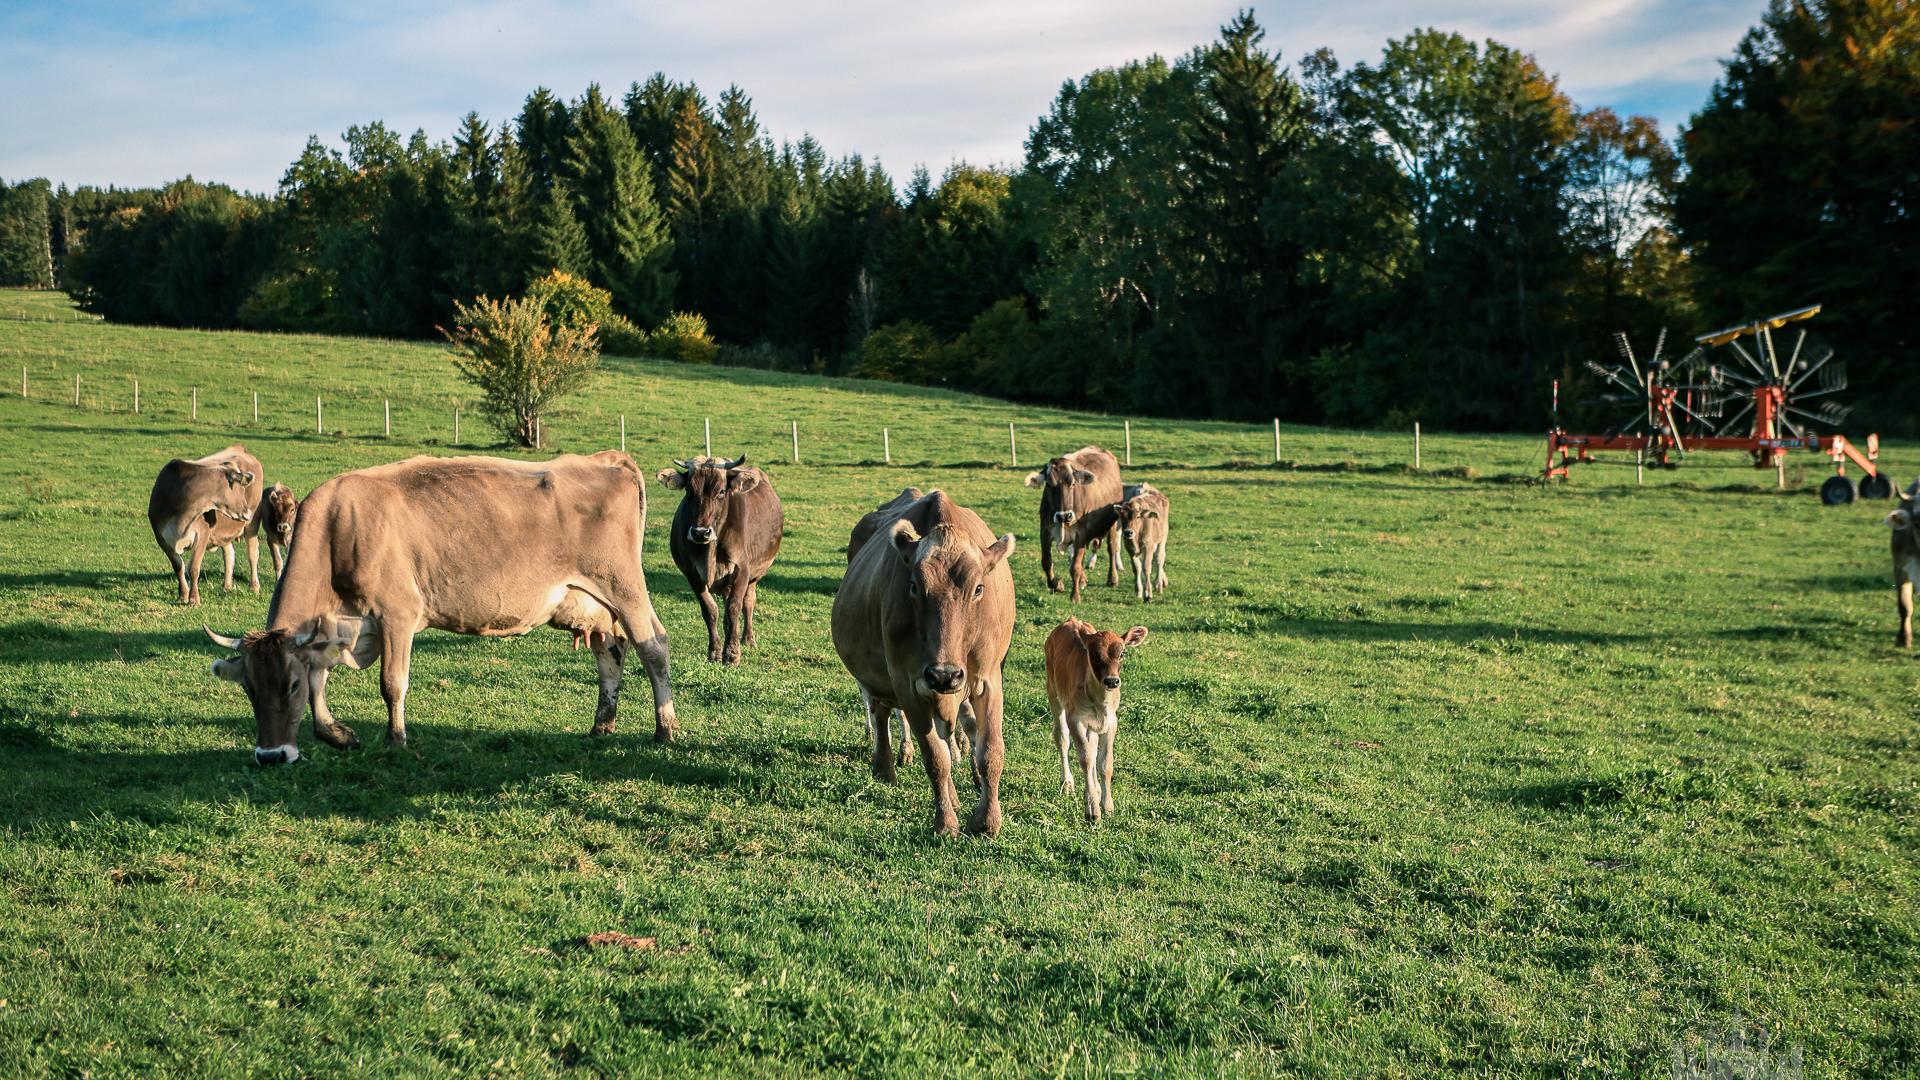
1067	667
884	517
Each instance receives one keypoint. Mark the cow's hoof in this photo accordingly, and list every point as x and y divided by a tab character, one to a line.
394	742
946	826
731	659
601	729
884	768
985	820
664	731
339	736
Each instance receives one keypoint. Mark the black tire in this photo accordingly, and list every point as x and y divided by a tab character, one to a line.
1837	491
1876	486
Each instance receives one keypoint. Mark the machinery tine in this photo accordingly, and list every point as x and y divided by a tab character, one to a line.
1811	368
1755	364
1744	410
1658	344
1626	350
1766	349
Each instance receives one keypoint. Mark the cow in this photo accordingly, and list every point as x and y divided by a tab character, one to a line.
1905	523
1078	491
278	512
1142	518
923	621
206	503
725	535
1083	694
474	545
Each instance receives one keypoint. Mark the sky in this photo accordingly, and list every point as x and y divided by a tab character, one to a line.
137	94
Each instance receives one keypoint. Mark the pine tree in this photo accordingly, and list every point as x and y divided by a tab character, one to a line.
557	240
628	244
543	131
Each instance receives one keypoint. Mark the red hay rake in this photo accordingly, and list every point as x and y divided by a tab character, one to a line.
1684	407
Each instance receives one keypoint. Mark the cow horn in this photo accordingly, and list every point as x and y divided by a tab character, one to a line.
222	640
681	465
736	462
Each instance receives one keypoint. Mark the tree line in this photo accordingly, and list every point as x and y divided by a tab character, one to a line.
1434	233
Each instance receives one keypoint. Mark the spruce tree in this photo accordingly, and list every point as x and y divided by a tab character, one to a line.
627	242
557	241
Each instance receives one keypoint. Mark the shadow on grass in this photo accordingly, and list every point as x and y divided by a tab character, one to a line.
44	642
97	579
56	781
778	580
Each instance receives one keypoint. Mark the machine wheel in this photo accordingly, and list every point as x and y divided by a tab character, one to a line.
1876	486
1837	491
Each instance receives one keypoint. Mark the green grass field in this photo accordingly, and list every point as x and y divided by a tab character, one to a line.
1419	771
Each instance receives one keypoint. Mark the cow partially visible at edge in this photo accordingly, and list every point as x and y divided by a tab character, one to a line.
1905	523
1078	492
203	503
472	545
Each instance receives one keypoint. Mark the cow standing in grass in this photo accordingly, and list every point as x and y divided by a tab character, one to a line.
1906	560
207	502
473	545
1078	492
1083	694
278	512
923	621
725	536
1142	518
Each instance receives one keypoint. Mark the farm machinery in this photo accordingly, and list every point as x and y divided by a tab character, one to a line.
1732	379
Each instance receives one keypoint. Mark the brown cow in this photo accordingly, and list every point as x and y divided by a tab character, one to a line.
1078	491
923	621
1083	694
474	545
278	512
1143	530
207	502
725	535
1905	522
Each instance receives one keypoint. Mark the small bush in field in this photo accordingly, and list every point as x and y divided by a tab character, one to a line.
520	360
575	302
682	336
904	351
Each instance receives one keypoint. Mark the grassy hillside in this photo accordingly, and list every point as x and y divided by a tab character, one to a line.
1416	771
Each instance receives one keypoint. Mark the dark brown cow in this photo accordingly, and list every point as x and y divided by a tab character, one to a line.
207	502
923	621
725	536
1905	522
1083	694
277	514
1078	491
473	545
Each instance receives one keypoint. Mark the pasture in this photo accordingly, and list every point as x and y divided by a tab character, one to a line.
1418	771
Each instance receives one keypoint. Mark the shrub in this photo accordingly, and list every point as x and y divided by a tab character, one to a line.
575	302
904	351
683	337
519	360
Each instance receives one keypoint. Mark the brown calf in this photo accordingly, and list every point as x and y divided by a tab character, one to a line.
1083	694
1906	560
1143	531
278	511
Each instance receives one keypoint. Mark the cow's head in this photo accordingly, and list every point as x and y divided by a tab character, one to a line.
230	497
276	669
709	484
282	509
1907	514
1133	515
1106	651
1064	479
946	580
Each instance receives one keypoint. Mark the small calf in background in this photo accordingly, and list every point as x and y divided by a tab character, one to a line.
1143	529
1083	695
1906	560
277	513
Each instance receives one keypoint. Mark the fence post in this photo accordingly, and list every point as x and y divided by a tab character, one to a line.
196	404
136	397
1013	445
1129	424
23	382
1416	445
1276	439
709	423
76	388
623	433
886	446
796	442
387	407
1640	465
256	406
456	425
319	417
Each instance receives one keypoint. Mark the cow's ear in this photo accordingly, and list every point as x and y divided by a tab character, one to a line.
743	482
1134	637
1900	519
1119	508
231	669
1036	479
997	551
1082	476
672	478
904	539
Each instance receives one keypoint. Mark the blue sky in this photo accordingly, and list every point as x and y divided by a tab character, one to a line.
142	93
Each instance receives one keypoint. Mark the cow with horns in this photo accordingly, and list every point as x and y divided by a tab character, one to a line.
724	538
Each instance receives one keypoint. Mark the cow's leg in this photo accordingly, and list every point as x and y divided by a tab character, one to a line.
736	614
325	727
960	739
610	655
193	569
1079	572
396	660
1088	743
279	561
903	756
933	754
1106	771
1047	540
226	566
1903	597
753	601
1141	590
1062	738
179	570
989	755
253	561
653	656
1160	566
710	611
880	737
1113	556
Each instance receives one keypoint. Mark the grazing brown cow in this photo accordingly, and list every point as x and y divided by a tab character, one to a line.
1142	518
923	621
1078	491
474	545
725	535
207	502
278	512
1083	694
1906	560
